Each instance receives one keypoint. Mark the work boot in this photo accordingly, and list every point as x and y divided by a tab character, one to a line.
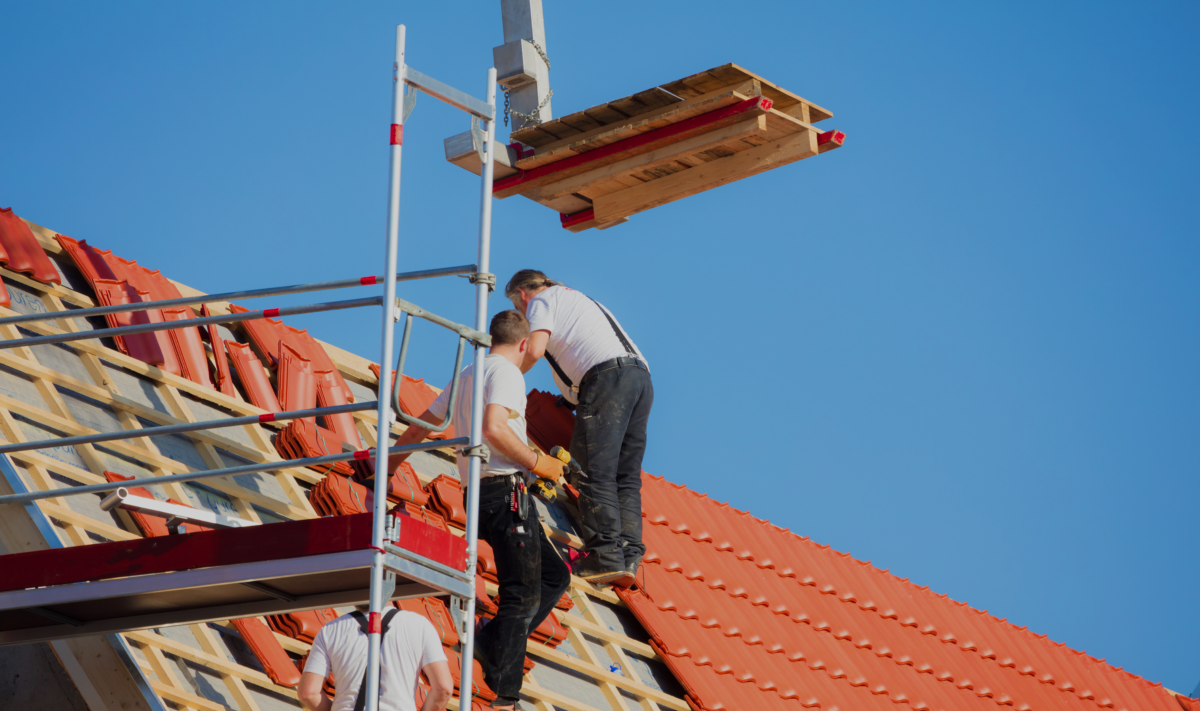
592	570
632	563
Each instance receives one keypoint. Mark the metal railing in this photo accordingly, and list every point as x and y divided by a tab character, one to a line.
229	295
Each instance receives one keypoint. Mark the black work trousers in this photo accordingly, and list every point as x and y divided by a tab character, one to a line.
609	441
532	580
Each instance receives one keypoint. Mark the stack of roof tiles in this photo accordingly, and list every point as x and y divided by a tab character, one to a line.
403	485
305	375
304	438
749	616
122	281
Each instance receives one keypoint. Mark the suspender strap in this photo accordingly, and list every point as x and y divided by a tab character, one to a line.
364	624
616	330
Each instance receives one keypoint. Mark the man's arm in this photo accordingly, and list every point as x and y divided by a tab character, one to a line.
313	699
412	435
535	350
441	686
501	437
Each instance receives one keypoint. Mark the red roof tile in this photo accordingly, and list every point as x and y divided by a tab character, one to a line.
254	379
21	252
751	616
262	642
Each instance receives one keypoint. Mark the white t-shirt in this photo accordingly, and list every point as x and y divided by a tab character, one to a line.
410	645
580	335
503	384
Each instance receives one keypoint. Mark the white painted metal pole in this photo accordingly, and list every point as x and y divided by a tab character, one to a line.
481	314
384	414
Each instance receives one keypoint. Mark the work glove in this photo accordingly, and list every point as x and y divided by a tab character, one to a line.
549	468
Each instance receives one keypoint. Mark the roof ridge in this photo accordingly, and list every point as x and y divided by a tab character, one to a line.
810	580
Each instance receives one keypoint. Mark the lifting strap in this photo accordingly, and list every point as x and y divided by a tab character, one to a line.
361	702
629	349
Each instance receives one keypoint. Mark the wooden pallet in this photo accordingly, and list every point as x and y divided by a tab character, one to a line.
599	166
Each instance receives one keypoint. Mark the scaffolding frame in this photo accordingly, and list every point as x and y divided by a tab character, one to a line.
386	559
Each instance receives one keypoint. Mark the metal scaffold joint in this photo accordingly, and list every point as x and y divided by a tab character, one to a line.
480	450
483	278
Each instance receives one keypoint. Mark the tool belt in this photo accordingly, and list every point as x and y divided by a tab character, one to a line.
518	496
606	365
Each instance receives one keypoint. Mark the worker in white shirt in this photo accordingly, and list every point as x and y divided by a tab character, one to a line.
531	574
410	647
600	371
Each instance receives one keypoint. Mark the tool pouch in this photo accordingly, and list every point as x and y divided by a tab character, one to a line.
522	495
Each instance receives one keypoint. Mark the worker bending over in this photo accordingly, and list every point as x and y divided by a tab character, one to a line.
410	647
600	370
532	576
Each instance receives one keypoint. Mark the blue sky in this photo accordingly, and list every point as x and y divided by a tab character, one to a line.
964	346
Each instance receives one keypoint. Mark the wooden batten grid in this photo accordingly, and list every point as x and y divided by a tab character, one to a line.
160	654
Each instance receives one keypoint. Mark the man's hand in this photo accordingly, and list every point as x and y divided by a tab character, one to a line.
548	467
535	350
412	435
310	694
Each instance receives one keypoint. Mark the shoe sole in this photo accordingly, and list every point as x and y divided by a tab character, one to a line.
624	580
604	578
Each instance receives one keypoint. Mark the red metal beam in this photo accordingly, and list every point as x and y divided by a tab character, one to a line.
189	551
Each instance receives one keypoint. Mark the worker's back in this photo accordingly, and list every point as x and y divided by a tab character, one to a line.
410	644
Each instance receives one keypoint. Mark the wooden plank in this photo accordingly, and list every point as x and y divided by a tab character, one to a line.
727	74
656	118
565	126
706	177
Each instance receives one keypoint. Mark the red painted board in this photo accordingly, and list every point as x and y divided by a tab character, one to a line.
22	251
189	551
261	641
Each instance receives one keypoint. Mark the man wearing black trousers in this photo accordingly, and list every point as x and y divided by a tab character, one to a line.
532	575
600	370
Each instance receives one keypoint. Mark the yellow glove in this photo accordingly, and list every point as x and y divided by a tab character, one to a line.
548	468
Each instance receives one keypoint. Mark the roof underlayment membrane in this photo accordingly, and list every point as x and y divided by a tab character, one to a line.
730	613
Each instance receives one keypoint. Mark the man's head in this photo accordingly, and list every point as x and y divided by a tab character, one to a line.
525	285
510	335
